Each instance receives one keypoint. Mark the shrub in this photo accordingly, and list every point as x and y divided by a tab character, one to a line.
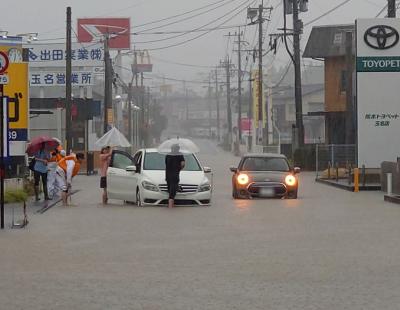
12	196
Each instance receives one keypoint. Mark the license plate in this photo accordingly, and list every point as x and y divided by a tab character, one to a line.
267	192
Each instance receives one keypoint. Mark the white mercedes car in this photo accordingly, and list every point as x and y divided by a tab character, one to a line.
141	179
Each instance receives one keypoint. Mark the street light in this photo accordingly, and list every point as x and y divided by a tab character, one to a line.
31	36
4	34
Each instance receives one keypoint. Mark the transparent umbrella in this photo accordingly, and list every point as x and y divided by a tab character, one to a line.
113	138
178	146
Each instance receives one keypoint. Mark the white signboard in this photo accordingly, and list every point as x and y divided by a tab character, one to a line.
4	79
5	128
54	55
378	86
59	79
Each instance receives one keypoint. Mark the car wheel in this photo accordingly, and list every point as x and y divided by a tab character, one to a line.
138	198
234	193
292	195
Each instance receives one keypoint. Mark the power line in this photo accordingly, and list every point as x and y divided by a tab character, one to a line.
327	13
189	17
201	35
180	14
180	64
198	28
41	41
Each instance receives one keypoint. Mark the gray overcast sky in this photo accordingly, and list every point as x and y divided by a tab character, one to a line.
47	17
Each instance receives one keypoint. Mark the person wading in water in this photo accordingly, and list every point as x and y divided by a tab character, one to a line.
174	163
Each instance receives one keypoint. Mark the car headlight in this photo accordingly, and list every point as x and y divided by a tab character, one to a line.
205	187
290	180
150	186
243	179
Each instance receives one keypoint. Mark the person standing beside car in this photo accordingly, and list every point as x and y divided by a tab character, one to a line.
105	158
40	171
174	163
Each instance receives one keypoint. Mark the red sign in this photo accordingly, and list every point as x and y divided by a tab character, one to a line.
92	30
4	62
246	124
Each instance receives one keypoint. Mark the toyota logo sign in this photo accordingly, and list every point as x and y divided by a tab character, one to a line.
381	37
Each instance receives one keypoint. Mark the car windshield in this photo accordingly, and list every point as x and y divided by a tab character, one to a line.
265	164
156	161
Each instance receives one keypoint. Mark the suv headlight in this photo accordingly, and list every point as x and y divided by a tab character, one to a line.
150	186
205	187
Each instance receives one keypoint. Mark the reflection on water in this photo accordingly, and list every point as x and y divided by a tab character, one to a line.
292	203
243	205
247	204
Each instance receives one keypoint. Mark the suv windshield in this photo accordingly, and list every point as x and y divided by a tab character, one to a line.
265	164
156	161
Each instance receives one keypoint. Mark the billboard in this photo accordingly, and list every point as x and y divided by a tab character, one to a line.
256	119
17	91
54	55
92	30
378	75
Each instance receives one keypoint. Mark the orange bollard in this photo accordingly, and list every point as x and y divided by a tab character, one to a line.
356	180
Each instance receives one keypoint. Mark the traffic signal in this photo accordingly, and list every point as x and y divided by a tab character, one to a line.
303	6
288	7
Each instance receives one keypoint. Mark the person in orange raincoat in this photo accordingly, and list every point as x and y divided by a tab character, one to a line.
57	154
67	168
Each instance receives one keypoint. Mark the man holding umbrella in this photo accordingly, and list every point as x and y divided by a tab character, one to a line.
38	148
174	163
40	171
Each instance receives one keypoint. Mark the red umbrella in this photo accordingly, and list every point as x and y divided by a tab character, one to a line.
36	144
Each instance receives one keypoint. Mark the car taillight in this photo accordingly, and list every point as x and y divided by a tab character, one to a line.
290	180
243	179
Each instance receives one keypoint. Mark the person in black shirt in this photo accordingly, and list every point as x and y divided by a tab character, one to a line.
174	163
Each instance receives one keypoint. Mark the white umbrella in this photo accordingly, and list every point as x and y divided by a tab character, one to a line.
186	146
113	138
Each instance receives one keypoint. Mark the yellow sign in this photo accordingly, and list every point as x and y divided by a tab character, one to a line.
110	116
17	90
256	91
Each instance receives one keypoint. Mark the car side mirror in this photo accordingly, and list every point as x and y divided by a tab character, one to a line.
207	170
131	169
296	170
233	169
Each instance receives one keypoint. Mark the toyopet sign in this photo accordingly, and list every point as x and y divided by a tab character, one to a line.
118	30
378	103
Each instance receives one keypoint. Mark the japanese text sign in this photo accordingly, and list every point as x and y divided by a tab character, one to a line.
54	55
59	79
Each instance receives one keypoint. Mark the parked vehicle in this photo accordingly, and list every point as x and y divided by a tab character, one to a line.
141	179
263	176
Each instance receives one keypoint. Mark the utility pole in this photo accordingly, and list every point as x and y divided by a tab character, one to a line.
297	29
251	14
130	113
143	112
227	65
186	100
260	70
107	81
239	86
68	83
250	109
209	107
392	8
349	89
217	103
